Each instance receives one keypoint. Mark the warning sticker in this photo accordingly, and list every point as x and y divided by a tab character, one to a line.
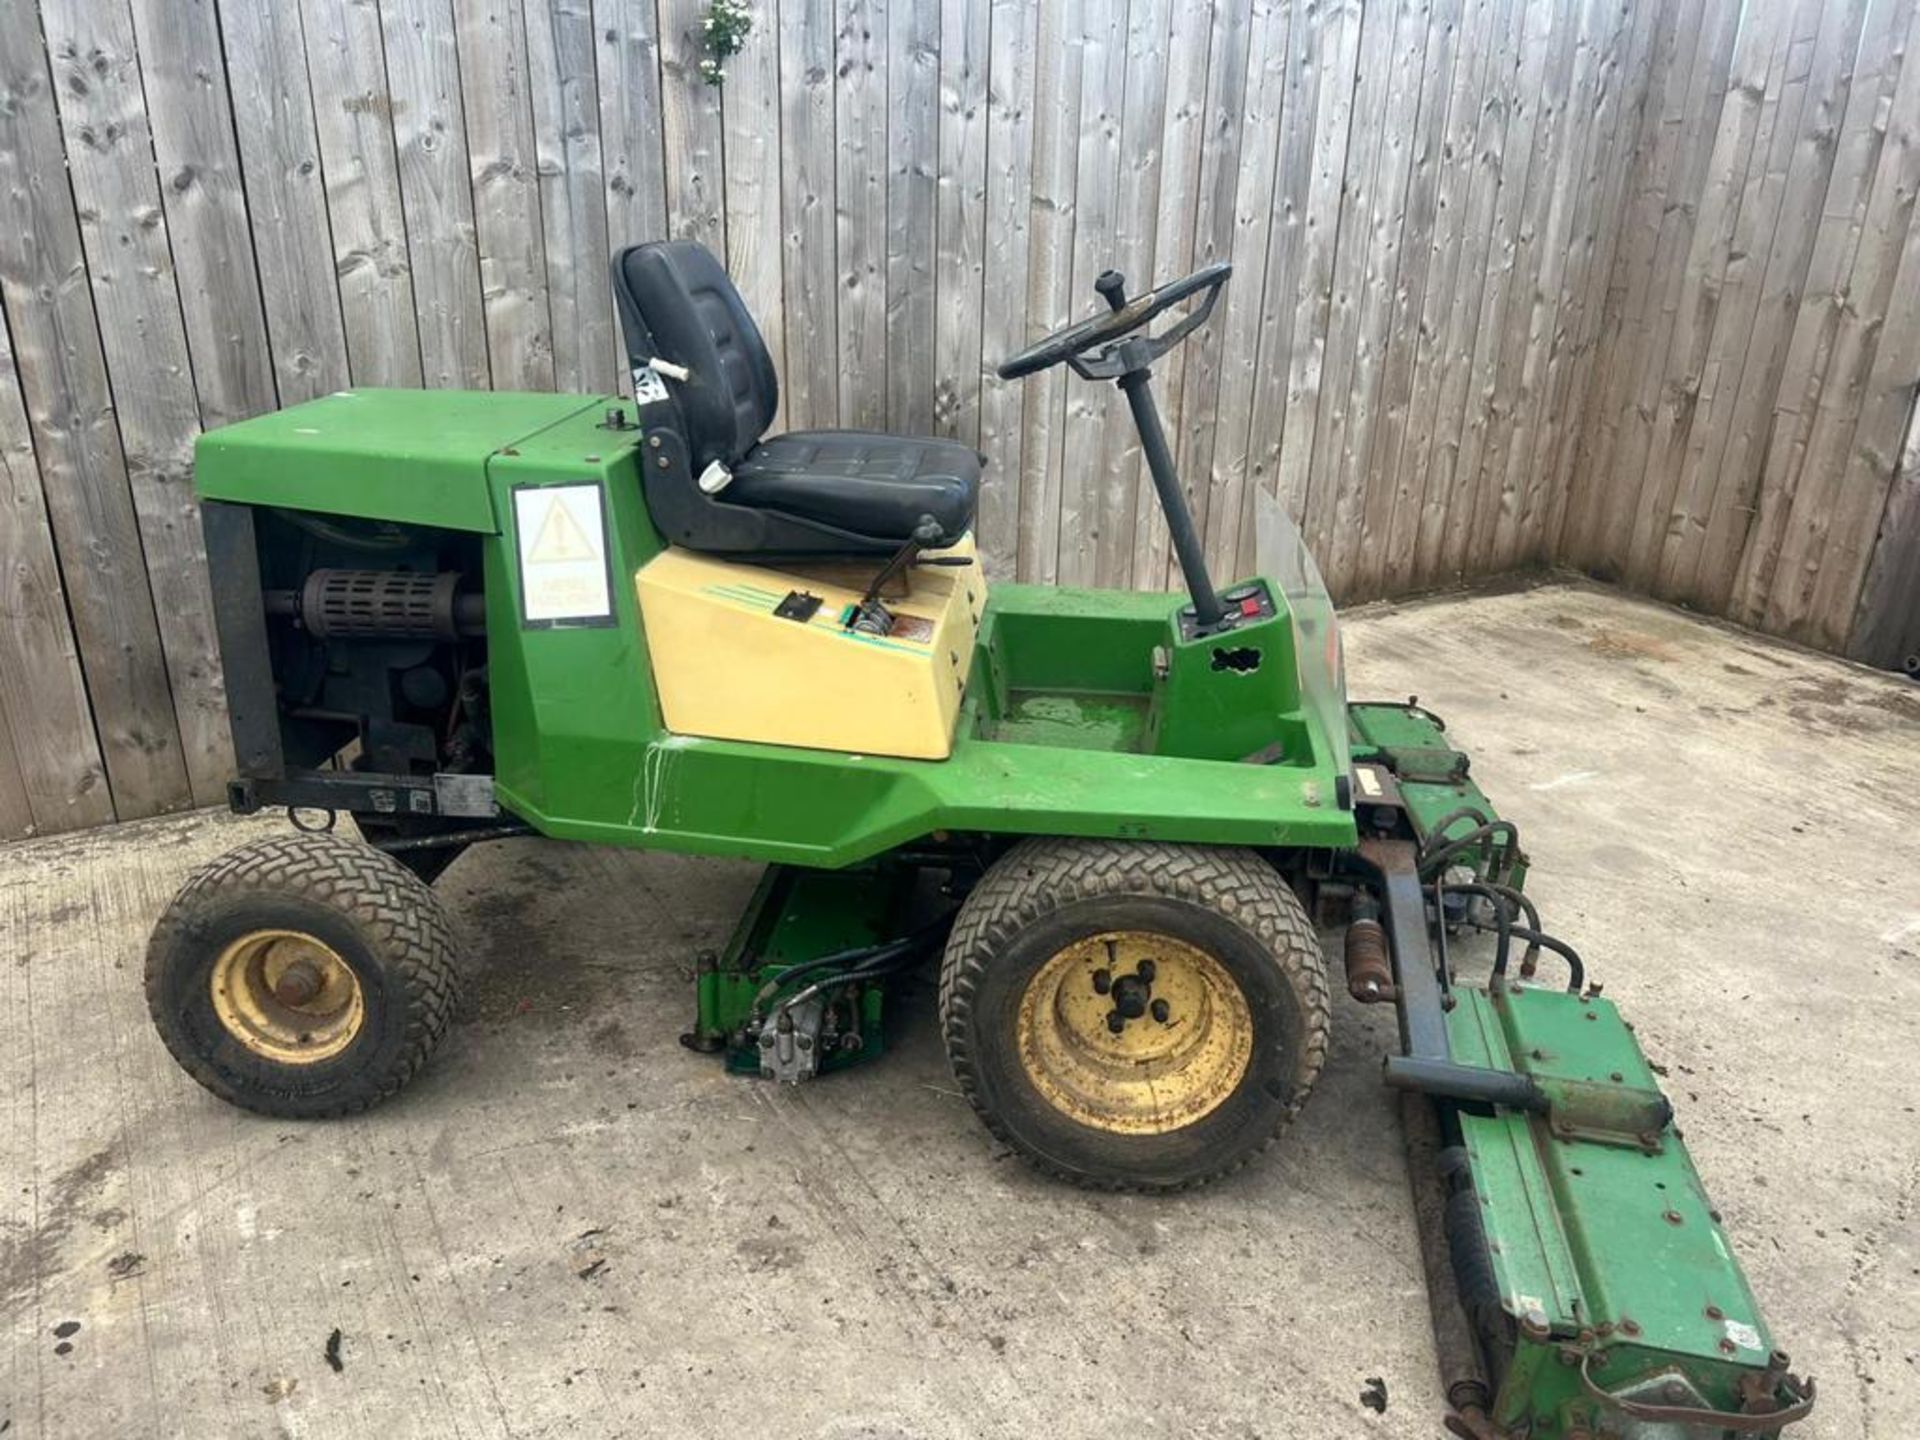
563	553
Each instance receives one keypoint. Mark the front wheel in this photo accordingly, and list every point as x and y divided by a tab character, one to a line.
302	976
1134	1016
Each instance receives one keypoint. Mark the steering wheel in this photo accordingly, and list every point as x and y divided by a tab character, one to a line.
1123	317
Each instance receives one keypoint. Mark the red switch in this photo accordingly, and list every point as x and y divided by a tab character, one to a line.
1250	605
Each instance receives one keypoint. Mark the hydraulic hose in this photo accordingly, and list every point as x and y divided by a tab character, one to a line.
1530	961
873	969
1437	832
1576	970
1506	900
859	958
1435	860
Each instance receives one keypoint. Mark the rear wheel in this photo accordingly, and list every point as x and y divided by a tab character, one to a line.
302	976
1134	1016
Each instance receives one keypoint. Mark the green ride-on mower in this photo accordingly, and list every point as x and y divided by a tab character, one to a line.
460	616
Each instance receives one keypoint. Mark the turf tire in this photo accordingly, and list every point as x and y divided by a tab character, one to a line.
1046	893
382	921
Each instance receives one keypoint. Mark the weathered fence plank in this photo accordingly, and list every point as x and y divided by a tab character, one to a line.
1540	245
1181	159
1731	513
436	192
506	192
353	119
750	107
1010	104
1051	302
54	776
912	155
1366	275
1602	111
1114	464
286	200
1103	88
691	130
1434	403
629	77
1387	526
1736	294
69	403
1488	406
808	208
1337	196
860	211
198	159
959	270
1871	361
1886	628
573	199
1255	205
136	308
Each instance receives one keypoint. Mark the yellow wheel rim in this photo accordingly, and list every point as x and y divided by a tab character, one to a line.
1180	1047
287	996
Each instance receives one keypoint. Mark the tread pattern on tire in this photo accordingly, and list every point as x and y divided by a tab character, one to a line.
408	926
1040	875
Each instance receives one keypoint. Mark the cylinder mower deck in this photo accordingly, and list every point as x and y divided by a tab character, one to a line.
640	622
1593	1291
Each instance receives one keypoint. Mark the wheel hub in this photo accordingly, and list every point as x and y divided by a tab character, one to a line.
1132	995
298	983
1134	1032
287	996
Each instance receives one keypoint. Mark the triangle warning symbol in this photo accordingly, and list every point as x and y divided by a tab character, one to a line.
561	539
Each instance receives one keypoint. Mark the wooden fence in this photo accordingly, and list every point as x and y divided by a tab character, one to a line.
1749	443
1616	281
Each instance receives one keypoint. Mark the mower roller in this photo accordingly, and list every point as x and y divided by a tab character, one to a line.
1115	817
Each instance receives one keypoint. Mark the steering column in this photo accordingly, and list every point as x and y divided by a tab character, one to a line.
1110	347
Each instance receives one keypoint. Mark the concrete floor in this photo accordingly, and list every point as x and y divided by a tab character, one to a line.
570	1226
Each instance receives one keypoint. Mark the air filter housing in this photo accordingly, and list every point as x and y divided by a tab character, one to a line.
388	604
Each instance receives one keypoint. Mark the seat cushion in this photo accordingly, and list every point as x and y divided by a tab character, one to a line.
876	486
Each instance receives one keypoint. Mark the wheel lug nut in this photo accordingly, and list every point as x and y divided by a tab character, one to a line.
1146	971
1102	982
1161	1011
1116	1022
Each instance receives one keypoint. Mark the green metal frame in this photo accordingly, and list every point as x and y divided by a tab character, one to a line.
580	749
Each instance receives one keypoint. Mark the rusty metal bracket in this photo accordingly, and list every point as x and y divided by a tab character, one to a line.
1744	1423
1606	1114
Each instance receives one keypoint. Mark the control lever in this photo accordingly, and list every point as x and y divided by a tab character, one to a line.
870	617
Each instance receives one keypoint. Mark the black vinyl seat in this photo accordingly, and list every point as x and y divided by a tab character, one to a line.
806	493
851	480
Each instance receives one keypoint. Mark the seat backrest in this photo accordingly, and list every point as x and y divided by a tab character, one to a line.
677	304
